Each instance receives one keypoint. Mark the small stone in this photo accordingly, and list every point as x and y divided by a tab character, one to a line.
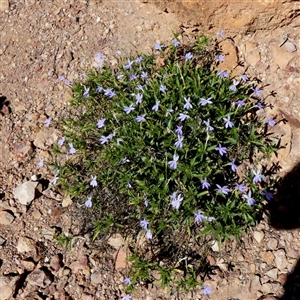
22	149
2	241
8	286
67	201
25	244
272	273
4	5
282	278
6	217
211	260
45	138
121	258
28	264
290	47
34	178
56	262
255	284
81	264
272	244
293	253
96	278
116	241
258	236
268	257
41	278
36	214
252	268
26	192
266	288
215	246
280	259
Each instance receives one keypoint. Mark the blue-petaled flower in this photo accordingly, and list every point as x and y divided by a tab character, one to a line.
48	121
129	65
145	202
206	290
222	150
110	136
173	163
223	189
148	234
41	163
199	217
132	77
120	76
182	117
270	122
86	92
223	74
205	184
187	104
109	93
170	110
68	81
188	56
61	77
139	87
175	42
259	105
144	75
221	34
234	167
163	88
141	118
127	297
258	177
257	92
178	130
250	200
204	101
127	281
100	123
61	141
155	107
220	57
208	127
175	203
158	46
99	88
118	52
244	77
240	103
228	122
103	139
72	149
144	224
178	143
54	180
99	55
267	194
88	202
139	59
234	85
139	98
93	182
240	187
129	108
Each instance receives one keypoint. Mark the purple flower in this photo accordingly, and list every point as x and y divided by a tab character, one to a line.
138	98
233	166
139	59
173	163
222	150
220	57
120	76
103	139
259	105
182	117
118	52
127	281
175	42
144	75
221	34
178	130
270	122
86	93
54	180
204	101
244	77
61	141
208	127
88	202
178	143
205	184
199	216
188	56
68	81
129	185
223	74
139	87
62	77
99	88
127	297
155	107
250	200
223	189
234	85
93	183
240	103
176	201
132	77
240	187
148	234
187	104
48	121
144	224
145	202
129	65
206	290
129	108
72	150
257	92
228	122
163	88
99	56
170	110
257	176
141	118
267	194
110	136
41	163
158	46
109	93
100	123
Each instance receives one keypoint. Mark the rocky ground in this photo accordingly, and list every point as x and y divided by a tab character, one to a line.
42	40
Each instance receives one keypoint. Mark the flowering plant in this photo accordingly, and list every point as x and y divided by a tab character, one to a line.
179	138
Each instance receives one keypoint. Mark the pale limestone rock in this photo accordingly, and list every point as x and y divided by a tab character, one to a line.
25	244
26	192
258	236
280	259
272	273
116	241
6	217
46	138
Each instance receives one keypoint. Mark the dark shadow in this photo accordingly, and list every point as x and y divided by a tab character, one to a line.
284	212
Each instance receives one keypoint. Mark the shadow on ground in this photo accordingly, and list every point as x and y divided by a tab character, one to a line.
285	215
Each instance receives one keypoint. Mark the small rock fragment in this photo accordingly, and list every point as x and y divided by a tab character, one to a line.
121	258
2	241
258	236
25	244
280	259
56	262
255	284
8	286
96	278
290	47
272	244
39	277
28	264
268	257
272	273
215	246
6	217
116	241
45	138
26	192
